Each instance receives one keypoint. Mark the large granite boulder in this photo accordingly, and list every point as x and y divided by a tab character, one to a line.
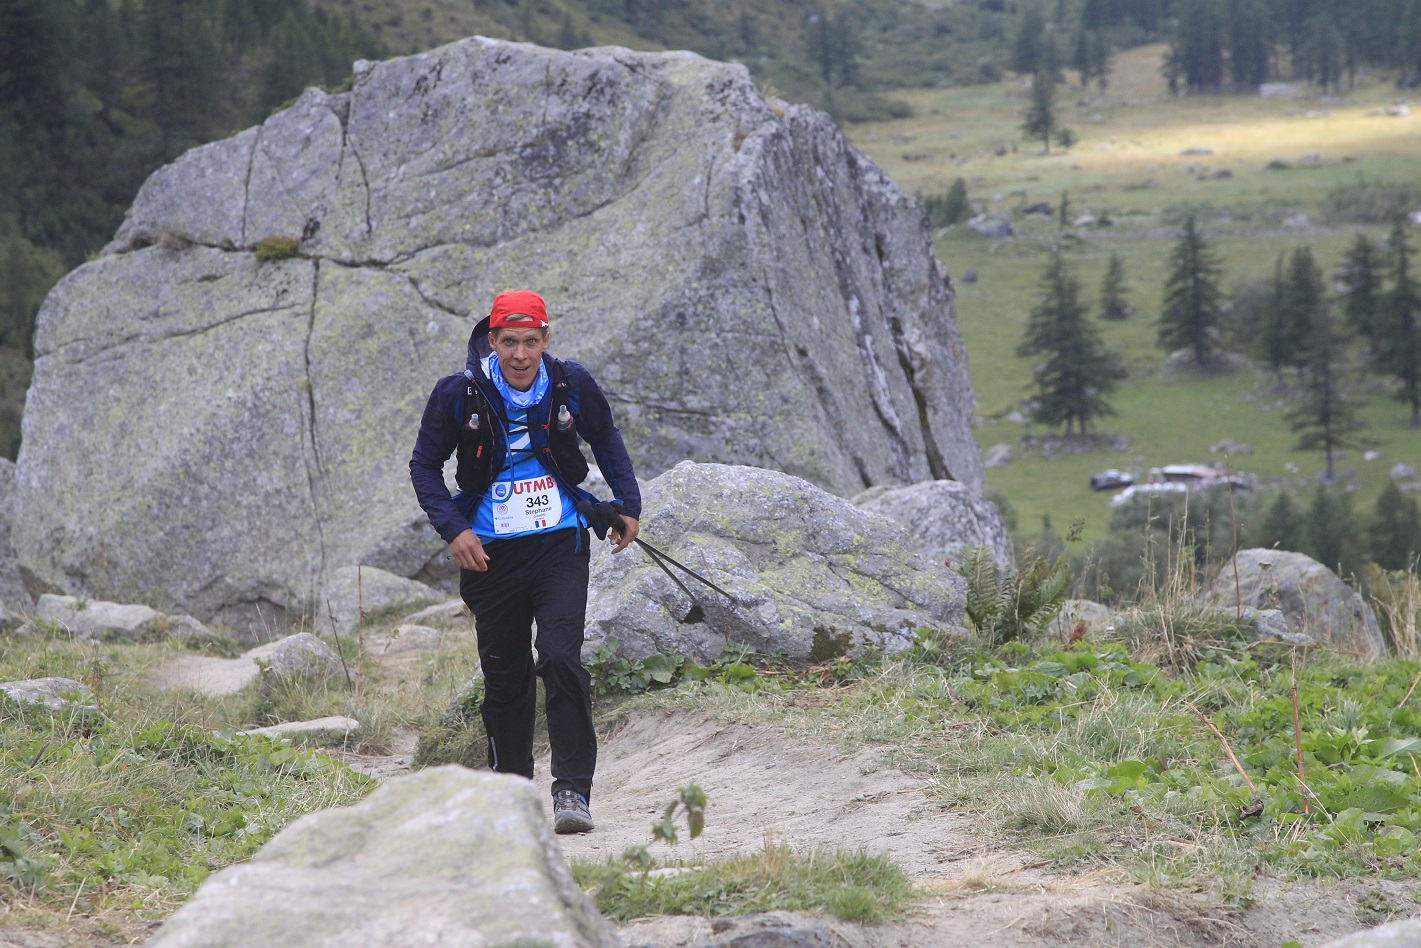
12	590
1313	600
378	593
221	429
813	576
446	856
56	694
943	518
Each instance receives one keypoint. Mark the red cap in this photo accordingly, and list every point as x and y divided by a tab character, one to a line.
523	303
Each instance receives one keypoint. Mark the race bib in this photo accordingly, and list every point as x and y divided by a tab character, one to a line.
525	506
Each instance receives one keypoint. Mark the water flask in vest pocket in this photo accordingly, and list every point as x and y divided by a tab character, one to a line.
473	423
564	418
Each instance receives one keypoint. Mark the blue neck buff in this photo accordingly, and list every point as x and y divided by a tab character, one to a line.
511	395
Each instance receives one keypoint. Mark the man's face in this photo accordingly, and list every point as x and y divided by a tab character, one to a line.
520	351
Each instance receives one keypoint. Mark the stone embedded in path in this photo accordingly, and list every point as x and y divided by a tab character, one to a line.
335	728
446	856
57	694
814	575
1313	600
664	207
1405	934
106	621
943	518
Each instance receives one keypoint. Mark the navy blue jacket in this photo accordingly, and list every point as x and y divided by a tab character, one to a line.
439	437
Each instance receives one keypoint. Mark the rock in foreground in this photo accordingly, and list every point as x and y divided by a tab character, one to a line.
746	286
447	856
814	575
1313	600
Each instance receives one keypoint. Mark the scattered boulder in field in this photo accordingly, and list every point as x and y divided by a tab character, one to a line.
1183	361
12	587
1277	90
1098	619
1405	934
318	731
106	621
988	225
943	518
998	456
1402	472
57	694
689	204
296	657
379	592
1297	222
813	575
1313	600
406	638
444	856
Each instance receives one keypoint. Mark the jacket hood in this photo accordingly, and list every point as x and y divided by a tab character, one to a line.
478	346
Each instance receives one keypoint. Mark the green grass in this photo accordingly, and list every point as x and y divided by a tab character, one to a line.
108	822
1132	135
852	886
1091	758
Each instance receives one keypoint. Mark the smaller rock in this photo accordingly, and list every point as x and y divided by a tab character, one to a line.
1231	447
1372	455
996	228
773	930
1223	174
1194	152
445	612
300	656
1405	934
1098	619
106	621
1402	472
1085	220
1277	90
406	638
355	587
57	694
1297	222
969	276
1311	158
998	455
184	628
321	730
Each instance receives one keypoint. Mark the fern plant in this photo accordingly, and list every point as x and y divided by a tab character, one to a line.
1003	605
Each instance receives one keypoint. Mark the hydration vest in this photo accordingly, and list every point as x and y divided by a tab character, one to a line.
553	444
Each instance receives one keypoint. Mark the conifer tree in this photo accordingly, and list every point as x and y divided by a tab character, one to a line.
1362	287
1027	46
1041	115
1330	531
1399	334
1193	310
956	207
1298	312
1197	54
1112	290
1394	535
1101	59
1282	526
1248	44
1324	418
1077	370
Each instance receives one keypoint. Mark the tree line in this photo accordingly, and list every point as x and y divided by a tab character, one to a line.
1292	326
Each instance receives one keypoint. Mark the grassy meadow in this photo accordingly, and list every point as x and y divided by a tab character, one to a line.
1128	166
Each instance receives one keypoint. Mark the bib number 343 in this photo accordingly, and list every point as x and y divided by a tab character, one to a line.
526	505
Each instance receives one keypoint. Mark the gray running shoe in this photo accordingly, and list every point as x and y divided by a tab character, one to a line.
570	813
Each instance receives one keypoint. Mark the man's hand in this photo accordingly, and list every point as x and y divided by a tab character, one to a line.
624	540
469	552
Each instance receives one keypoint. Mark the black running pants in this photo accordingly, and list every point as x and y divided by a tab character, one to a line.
540	578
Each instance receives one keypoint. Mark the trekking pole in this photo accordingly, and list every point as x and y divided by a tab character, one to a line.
606	514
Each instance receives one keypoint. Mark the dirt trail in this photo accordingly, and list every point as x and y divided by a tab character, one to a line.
763	785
